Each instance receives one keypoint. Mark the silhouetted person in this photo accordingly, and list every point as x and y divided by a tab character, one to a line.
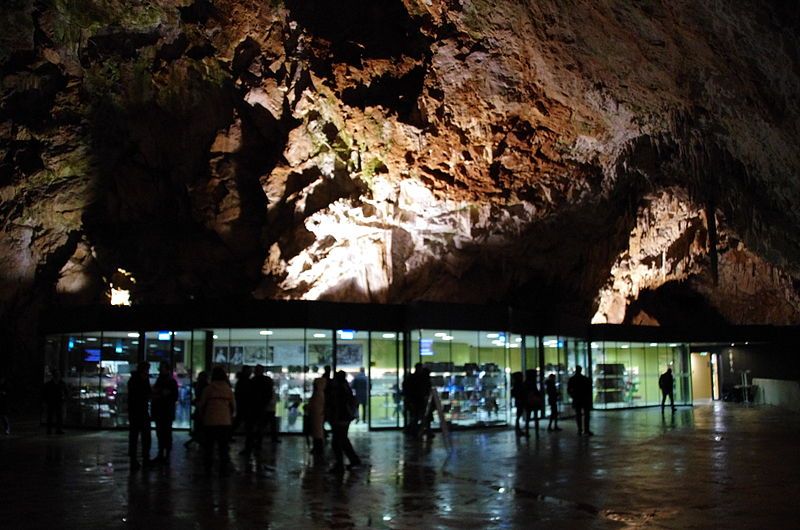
341	409
216	408
316	416
551	389
361	389
424	397
534	400
410	400
241	392
139	394
261	391
579	388
196	432
271	414
53	395
165	395
6	424
667	383
520	400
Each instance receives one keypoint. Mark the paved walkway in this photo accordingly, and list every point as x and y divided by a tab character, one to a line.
711	466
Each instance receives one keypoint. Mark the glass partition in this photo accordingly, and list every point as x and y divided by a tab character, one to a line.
385	376
118	359
352	356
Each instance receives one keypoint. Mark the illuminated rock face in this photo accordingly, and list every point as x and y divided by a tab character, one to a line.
561	158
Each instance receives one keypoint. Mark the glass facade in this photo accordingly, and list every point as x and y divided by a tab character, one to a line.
625	374
470	369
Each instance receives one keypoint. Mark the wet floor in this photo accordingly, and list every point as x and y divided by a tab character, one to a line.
710	466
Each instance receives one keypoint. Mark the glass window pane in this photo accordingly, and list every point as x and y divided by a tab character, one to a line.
352	352
118	359
386	403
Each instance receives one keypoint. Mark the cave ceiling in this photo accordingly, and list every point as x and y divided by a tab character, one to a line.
591	159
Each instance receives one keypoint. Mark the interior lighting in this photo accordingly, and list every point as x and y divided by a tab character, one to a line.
674	345
653	344
388	335
265	332
285	370
216	336
498	342
164	335
624	346
492	335
508	370
135	335
440	335
732	344
319	335
518	339
347	334
447	337
595	345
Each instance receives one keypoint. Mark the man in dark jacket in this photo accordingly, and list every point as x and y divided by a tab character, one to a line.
165	395
139	393
579	388
666	383
261	390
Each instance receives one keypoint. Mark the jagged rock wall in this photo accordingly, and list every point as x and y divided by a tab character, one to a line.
560	156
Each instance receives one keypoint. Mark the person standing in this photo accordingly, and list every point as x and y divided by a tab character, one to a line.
411	384
261	390
520	401
216	408
241	392
316	413
271	415
139	394
551	390
341	409
165	395
534	400
361	388
579	388
196	432
53	395
667	384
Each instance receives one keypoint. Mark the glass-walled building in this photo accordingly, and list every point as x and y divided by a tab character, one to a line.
626	374
470	363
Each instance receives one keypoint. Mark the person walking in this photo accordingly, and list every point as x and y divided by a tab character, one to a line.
341	409
139	394
667	385
165	395
216	408
361	388
411	399
579	388
551	390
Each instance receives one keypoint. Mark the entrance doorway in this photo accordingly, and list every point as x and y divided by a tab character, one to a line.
701	376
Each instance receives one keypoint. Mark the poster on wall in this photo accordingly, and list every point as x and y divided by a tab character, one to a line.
349	355
257	355
220	355
236	355
320	354
287	354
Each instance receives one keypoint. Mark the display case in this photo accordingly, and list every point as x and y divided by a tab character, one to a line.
609	383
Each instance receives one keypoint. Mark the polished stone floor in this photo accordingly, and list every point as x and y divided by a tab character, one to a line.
722	465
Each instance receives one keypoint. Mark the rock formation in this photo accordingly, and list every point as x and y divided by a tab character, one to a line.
566	157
